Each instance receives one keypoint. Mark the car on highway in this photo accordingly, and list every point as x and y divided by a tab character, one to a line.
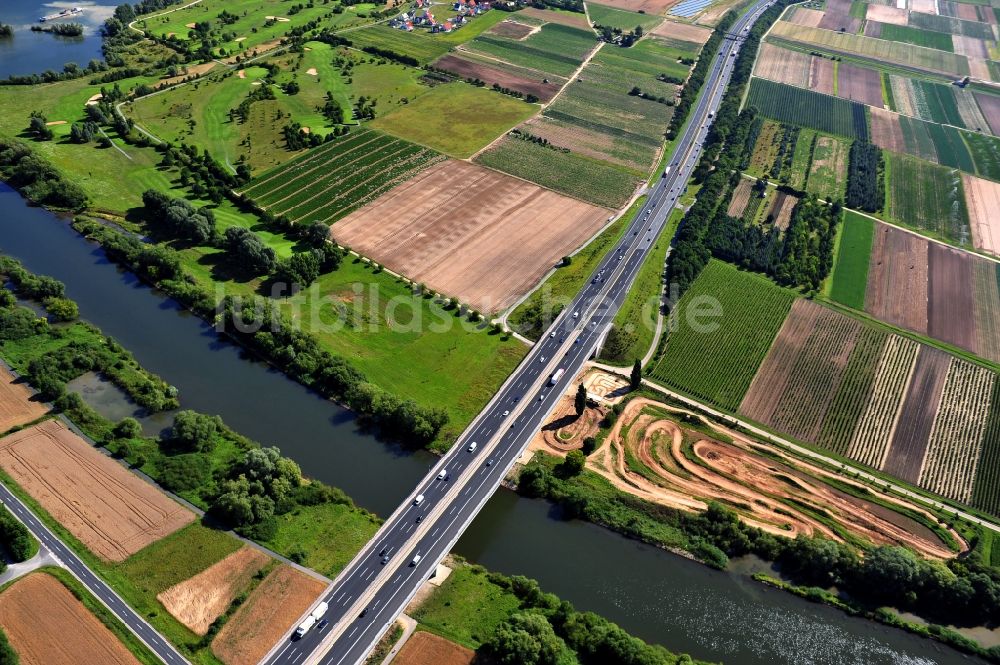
489	462
506	413
472	447
418	500
322	624
364	613
443	475
415	560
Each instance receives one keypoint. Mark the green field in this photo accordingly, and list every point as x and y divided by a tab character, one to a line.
557	49
714	358
329	534
828	164
457	119
986	491
938	102
468	608
619	18
571	174
985	151
808	109
802	159
849	280
328	182
951	25
917	37
927	197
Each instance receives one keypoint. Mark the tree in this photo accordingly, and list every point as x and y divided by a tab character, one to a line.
635	379
128	428
300	269
574	463
62	309
38	127
580	401
589	445
248	251
195	432
528	639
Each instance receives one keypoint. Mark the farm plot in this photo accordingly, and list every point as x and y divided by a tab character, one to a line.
740	198
569	19
423	48
905	34
796	383
607	14
803	107
886	14
887	132
950	290
523	80
982	197
908	445
270	610
809	18
837	16
328	182
990	106
802	158
781	210
512	29
972	47
821	75
897	279
956	438
686	34
987	299
828	170
985	153
951	25
926	100
765	150
783	65
929	198
859	84
18	404
986	488
198	601
426	647
469	232
850	273
715	359
556	49
47	625
110	510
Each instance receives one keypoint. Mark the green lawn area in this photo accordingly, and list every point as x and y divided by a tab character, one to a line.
329	535
423	47
619	18
456	118
850	274
467	608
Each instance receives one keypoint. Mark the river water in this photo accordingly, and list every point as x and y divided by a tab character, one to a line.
661	597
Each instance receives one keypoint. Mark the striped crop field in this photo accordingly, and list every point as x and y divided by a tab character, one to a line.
986	488
928	197
805	108
717	362
339	177
849	280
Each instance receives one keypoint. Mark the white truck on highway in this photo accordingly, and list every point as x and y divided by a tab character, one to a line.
556	376
311	620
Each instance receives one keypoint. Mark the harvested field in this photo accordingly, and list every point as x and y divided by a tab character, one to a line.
870	442
796	383
18	403
821	75
982	198
741	196
110	510
873	29
884	14
198	601
266	615
956	439
971	46
950	296
511	29
783	65
809	18
886	131
925	6
897	279
470	232
860	84
837	16
47	625
913	429
685	32
466	68
972	116
781	210
424	648
571	19
979	68
990	106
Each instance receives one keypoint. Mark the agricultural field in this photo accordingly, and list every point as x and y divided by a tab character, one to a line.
527	81
605	15
682	35
18	403
715	357
466	231
424	647
982	201
909	35
47	624
989	104
838	15
828	168
340	176
936	102
928	198
111	511
555	49
952	25
849	279
792	105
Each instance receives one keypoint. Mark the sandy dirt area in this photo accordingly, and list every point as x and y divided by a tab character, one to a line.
982	197
951	296
112	511
571	19
884	14
767	492
810	18
470	69
859	84
18	404
53	123
608	387
198	601
909	442
94	99
470	232
425	648
511	29
191	25
193	70
47	625
266	615
564	430
897	278
263	47
685	32
279	19
312	71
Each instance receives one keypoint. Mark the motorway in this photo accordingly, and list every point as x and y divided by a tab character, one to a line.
377	585
152	639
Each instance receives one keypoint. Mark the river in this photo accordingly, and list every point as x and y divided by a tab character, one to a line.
661	597
30	52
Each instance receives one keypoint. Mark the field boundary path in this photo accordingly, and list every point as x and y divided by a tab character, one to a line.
409	627
802	451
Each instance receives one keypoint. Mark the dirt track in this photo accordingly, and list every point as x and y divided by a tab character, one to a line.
425	648
18	405
47	625
470	232
111	511
198	601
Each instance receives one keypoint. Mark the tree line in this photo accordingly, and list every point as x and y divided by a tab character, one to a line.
36	179
865	183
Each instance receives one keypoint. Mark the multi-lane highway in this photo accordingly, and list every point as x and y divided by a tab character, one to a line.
376	586
152	639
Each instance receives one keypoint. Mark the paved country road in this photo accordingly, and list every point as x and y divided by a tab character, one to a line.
152	639
376	586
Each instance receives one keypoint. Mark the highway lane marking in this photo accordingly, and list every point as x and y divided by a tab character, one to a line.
434	533
369	576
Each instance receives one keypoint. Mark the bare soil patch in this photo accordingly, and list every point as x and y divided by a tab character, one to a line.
924	6
860	84
192	71
970	46
511	29
966	11
198	601
838	17
110	510
565	431
47	625
424	648
810	18
266	615
821	75
913	431
884	14
886	132
979	69
740	198
312	71
608	387
782	209
571	19
897	278
18	403
470	232
873	29
477	70
950	296
685	32
783	65
982	198
990	106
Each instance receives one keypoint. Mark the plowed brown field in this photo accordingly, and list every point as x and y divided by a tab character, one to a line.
783	65
886	132
740	198
821	75
884	14
897	278
198	601
470	232
18	404
970	46
112	511
810	18
511	29
456	64
266	615
685	32
951	296
990	106
47	625
982	198
860	84
782	209
837	17
425	648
